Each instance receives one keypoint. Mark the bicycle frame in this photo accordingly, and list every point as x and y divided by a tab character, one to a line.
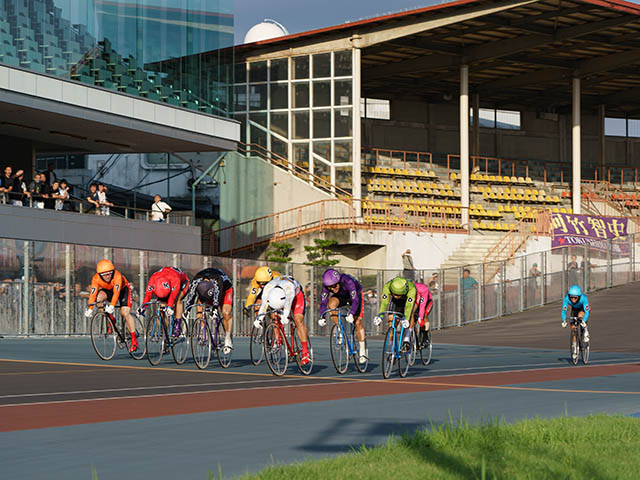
397	339
289	342
350	336
112	319
168	320
213	312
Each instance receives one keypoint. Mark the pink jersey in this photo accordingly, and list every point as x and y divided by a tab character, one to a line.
425	301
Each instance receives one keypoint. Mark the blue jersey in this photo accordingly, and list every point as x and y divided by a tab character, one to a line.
581	304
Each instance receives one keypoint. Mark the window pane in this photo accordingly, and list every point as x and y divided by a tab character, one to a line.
240	72
321	94
243	126
300	95
322	65
301	155
342	89
634	128
258	136
322	124
279	69
279	123
342	67
258	72
279	147
487	117
343	123
279	93
377	108
323	149
615	127
258	97
259	118
322	170
508	120
342	151
301	125
240	98
344	178
301	67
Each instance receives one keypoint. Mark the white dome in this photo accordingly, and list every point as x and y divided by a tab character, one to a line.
265	31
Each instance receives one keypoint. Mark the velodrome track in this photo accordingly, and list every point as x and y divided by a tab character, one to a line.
64	412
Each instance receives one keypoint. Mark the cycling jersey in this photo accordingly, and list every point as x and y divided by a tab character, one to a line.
582	305
408	300
173	279
350	291
219	284
425	302
256	290
115	288
294	295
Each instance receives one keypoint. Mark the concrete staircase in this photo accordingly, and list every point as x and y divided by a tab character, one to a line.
472	252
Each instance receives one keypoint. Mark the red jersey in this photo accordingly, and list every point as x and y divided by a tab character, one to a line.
169	279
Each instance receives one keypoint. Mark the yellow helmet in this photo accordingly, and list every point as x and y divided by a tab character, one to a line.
104	266
263	275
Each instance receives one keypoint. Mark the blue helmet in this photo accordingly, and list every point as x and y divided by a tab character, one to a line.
575	291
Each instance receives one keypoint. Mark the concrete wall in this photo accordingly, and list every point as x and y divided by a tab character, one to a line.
85	229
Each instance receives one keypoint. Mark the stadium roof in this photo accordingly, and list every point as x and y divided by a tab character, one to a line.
521	53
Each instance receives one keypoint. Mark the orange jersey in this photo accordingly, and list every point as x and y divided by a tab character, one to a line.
116	285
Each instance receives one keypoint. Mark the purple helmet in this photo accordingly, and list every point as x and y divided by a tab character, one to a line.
330	277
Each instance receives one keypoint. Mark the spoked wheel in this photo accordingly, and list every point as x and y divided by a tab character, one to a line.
361	366
201	343
404	362
275	349
307	368
256	345
155	340
388	353
574	350
223	353
141	336
426	347
339	350
180	342
414	347
584	349
103	336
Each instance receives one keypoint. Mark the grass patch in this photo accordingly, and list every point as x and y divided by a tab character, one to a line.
595	447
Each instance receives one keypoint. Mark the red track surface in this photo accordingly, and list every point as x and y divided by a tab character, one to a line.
76	412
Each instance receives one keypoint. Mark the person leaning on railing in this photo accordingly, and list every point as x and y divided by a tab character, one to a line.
159	209
6	184
38	190
19	194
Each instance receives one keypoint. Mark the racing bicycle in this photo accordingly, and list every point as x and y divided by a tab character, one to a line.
109	334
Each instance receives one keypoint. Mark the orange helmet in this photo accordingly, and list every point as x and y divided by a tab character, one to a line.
105	266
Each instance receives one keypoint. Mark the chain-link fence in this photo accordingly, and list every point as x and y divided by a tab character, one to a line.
44	286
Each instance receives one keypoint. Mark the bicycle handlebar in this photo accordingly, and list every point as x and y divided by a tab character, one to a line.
398	316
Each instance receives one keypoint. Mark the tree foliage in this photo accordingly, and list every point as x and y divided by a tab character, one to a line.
279	252
321	253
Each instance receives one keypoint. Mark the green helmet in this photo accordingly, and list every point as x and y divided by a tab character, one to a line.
399	286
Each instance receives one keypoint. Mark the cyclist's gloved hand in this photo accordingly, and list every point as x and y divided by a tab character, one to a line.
170	311
322	322
564	324
349	318
257	323
110	309
377	320
88	312
405	323
284	320
141	310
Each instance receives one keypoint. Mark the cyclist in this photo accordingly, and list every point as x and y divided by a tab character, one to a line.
579	304
286	293
109	285
403	294
212	286
339	290
262	276
170	285
421	313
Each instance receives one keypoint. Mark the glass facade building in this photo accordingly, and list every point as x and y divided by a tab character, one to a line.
127	46
301	108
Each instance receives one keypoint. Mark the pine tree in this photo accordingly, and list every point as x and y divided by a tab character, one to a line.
321	253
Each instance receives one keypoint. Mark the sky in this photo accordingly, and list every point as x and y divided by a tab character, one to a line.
302	15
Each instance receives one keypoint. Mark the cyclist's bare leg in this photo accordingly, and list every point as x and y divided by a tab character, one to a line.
301	328
227	318
101	297
126	314
333	304
179	308
359	329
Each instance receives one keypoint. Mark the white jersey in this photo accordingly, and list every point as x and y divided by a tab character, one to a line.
291	288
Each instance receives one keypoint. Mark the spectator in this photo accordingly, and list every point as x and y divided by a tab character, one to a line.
19	193
92	204
159	209
534	273
50	176
102	200
37	190
6	183
434	286
63	193
409	271
55	196
573	270
468	284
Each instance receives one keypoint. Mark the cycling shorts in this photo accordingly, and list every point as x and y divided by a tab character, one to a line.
228	297
345	301
427	311
299	304
125	296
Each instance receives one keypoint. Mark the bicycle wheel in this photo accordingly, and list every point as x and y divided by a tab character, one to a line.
180	343
338	347
201	343
141	336
275	349
584	348
362	367
414	347
388	353
425	351
573	349
256	345
404	362
103	336
155	340
297	345
223	353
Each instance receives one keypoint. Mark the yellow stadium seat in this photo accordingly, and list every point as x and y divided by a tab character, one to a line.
563	210
528	180
492	178
521	180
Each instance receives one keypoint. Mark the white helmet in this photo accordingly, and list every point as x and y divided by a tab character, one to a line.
277	298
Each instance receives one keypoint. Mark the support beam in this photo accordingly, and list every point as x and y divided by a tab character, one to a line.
476	125
357	126
602	139
575	146
464	143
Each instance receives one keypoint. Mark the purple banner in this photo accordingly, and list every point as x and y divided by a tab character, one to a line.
569	229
